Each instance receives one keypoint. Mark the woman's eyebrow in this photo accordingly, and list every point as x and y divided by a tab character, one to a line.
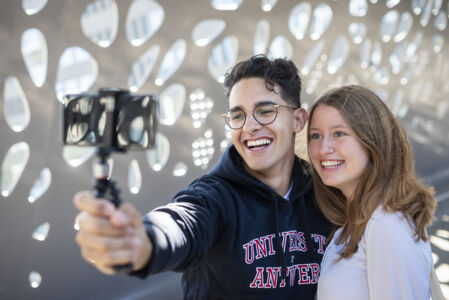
332	127
339	126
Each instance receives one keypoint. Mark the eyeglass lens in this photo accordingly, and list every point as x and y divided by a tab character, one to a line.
264	114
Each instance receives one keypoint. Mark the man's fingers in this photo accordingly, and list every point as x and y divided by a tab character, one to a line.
104	260
106	270
99	226
100	243
85	201
126	214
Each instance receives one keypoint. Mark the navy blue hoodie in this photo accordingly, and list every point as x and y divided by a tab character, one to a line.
234	237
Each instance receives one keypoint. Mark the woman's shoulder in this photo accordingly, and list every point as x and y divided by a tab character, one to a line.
391	227
390	240
384	218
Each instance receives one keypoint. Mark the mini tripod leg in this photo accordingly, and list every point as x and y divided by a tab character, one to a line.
106	188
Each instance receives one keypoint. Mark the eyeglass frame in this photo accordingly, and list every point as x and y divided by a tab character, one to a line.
275	106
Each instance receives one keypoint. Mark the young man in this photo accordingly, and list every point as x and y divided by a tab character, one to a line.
249	228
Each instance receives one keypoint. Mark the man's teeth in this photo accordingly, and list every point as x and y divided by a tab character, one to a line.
257	143
331	163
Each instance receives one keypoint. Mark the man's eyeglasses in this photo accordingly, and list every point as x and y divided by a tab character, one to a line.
264	114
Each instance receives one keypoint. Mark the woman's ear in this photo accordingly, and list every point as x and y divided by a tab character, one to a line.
300	115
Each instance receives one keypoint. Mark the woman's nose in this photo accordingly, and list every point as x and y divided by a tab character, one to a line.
327	146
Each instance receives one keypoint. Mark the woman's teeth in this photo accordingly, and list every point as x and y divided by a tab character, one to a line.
330	164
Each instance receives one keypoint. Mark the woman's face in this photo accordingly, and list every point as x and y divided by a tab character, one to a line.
336	154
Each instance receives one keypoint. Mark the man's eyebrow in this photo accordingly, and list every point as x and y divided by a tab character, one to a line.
264	102
235	108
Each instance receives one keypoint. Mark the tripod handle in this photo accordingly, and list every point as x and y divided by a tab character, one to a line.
105	188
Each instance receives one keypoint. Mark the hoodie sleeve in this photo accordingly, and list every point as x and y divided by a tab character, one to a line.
184	230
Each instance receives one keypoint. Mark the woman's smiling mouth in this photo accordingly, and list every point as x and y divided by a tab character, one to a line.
331	164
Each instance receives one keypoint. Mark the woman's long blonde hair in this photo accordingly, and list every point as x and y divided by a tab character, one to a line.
389	180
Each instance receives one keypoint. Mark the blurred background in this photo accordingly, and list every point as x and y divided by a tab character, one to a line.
180	50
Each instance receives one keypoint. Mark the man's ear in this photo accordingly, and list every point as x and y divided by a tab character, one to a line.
301	117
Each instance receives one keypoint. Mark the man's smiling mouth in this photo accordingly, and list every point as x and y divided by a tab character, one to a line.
258	144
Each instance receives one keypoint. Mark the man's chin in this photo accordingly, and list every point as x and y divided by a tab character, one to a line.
255	167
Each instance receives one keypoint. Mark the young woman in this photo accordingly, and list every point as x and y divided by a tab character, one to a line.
366	186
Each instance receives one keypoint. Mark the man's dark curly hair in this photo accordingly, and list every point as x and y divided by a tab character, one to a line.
277	72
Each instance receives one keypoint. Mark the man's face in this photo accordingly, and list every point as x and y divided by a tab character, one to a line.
266	149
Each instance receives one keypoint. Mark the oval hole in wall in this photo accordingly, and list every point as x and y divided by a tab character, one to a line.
223	57
143	20
226	4
338	55
171	104
171	61
76	156
261	37
35	279
207	30
35	55
32	7
299	19
77	72
40	186
281	48
41	232
142	68
321	19
13	166
134	177
16	107
180	169
158	156
99	22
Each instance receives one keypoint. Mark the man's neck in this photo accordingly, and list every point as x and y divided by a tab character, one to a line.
279	180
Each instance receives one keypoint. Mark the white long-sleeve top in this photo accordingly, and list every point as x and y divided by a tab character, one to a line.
388	264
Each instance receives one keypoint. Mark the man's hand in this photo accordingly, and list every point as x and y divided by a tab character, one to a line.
108	236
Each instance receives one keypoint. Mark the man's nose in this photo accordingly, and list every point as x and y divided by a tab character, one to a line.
251	124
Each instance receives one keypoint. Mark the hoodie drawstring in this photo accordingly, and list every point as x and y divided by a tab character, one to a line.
308	232
278	243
